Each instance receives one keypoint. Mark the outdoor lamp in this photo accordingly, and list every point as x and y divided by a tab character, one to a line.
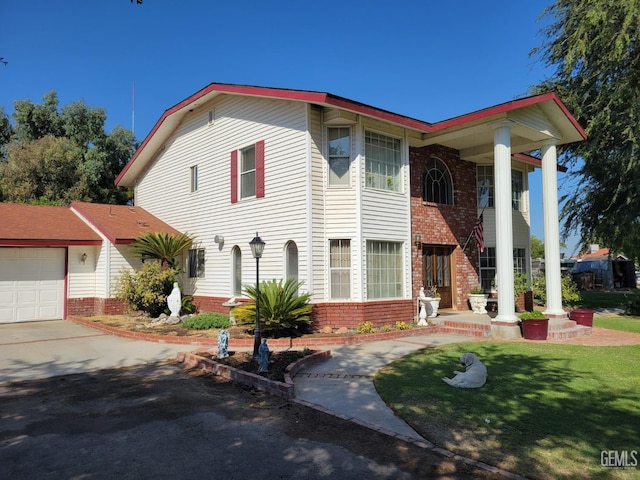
257	247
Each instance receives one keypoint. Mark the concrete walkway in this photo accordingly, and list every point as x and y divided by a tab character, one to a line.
343	384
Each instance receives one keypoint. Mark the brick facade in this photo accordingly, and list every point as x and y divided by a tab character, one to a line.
89	306
351	314
447	225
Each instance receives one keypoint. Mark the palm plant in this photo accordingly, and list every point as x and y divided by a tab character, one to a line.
281	307
161	246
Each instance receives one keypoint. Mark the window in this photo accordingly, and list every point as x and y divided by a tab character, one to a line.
519	260
488	265
485	186
516	189
383	162
340	269
339	156
194	178
291	260
236	255
384	269
196	263
438	186
247	172
488	268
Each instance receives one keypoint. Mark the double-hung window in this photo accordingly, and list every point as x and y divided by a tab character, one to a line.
340	269
517	186
486	187
383	161
247	172
196	263
339	156
384	269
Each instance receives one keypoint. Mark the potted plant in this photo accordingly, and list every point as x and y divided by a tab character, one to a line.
433	301
478	300
535	326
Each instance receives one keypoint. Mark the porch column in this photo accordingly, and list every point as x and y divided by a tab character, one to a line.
551	230
505	323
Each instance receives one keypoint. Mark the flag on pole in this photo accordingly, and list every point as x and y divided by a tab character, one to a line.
478	234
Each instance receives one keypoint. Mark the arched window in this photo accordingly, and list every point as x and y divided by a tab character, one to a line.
438	186
236	255
291	260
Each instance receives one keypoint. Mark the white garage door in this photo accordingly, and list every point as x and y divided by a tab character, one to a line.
31	284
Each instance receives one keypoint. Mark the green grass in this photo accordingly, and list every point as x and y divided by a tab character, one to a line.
547	411
606	299
626	324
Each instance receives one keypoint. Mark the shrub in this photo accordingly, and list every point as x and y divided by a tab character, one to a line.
187	304
570	293
403	326
365	327
146	289
207	321
282	309
633	305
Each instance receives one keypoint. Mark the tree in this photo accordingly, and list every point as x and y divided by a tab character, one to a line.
594	48
161	246
537	247
91	157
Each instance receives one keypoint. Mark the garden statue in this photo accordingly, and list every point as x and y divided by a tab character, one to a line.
422	314
223	343
264	356
174	301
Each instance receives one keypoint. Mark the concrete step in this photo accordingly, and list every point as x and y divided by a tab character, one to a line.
573	332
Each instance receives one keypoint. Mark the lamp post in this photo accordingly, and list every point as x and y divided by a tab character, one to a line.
257	247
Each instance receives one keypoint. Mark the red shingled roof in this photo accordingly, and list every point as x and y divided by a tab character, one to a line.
121	224
40	225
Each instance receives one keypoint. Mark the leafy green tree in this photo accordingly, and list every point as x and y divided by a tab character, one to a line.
594	48
537	247
98	157
161	246
282	309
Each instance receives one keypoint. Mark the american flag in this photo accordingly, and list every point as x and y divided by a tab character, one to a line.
478	234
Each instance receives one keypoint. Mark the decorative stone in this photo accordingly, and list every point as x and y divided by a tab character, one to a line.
263	351
342	330
327	330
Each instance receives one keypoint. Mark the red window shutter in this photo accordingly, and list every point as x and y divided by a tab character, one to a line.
260	169
234	176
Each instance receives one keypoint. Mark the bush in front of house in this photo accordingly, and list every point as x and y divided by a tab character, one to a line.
207	321
282	308
570	294
146	289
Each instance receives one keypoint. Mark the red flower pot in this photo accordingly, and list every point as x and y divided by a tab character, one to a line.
535	329
582	316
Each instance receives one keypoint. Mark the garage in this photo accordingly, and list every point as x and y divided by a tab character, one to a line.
31	284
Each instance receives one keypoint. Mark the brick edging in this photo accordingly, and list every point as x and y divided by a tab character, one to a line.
284	389
289	342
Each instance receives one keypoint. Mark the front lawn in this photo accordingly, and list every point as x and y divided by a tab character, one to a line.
547	410
593	299
626	324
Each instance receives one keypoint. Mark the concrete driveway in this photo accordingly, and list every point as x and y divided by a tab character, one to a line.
36	350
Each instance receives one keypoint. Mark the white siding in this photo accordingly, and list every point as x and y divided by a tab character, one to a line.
278	217
82	277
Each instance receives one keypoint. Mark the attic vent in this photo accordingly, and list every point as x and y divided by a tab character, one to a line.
142	224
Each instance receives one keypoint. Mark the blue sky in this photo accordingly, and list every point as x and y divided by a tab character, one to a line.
426	59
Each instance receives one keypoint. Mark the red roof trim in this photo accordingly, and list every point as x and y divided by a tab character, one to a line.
48	243
507	107
535	161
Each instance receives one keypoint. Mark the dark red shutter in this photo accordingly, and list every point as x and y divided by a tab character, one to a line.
234	176
260	169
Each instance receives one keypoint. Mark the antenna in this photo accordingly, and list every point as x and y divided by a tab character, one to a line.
133	109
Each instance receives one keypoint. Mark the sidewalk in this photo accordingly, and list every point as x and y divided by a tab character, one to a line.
343	384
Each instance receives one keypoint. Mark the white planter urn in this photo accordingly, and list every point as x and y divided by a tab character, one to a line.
433	303
478	302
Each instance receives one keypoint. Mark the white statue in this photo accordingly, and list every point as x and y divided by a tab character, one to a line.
422	314
174	301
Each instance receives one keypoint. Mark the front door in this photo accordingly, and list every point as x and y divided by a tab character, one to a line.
436	270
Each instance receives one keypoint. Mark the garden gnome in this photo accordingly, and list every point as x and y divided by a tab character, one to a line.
223	343
174	301
264	356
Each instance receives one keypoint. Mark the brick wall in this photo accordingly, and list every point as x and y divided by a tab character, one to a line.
350	314
88	306
445	224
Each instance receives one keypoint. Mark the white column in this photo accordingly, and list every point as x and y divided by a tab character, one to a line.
551	230
504	223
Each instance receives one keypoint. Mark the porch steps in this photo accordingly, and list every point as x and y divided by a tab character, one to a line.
468	328
561	329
